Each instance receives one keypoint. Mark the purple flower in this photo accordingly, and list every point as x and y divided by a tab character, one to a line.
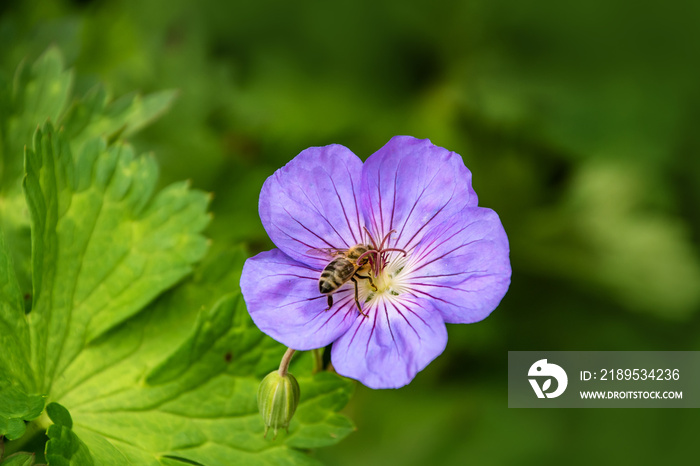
443	259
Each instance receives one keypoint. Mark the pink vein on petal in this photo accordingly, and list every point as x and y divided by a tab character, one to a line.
391	332
357	208
294	302
374	326
335	312
373	215
446	254
311	203
379	191
413	208
408	309
292	237
342	206
425	224
393	204
305	228
437	241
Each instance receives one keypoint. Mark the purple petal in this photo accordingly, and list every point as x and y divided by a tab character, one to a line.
410	185
463	266
283	299
396	341
312	202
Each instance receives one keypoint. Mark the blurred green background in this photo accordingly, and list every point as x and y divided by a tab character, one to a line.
579	123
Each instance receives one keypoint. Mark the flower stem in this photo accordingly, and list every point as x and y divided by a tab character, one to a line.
318	360
286	359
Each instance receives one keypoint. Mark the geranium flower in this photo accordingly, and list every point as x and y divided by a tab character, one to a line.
443	259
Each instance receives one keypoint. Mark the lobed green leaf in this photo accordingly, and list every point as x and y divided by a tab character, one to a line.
40	92
17	406
14	332
64	448
135	372
19	459
179	380
96	114
102	247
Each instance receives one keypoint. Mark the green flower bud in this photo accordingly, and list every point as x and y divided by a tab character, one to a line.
278	397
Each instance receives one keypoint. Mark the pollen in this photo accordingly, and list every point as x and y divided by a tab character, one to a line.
390	282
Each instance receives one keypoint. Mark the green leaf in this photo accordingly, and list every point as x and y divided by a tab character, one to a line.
59	415
40	92
320	424
197	400
96	115
137	371
16	377
176	380
14	221
17	406
102	246
14	331
19	459
64	447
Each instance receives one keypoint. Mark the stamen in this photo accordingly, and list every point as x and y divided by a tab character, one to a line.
371	238
378	252
366	253
395	249
386	237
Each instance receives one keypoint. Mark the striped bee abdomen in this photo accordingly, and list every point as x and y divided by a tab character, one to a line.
335	274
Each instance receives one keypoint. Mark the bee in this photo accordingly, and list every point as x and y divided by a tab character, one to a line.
348	265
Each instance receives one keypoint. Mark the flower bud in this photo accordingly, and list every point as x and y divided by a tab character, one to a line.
278	397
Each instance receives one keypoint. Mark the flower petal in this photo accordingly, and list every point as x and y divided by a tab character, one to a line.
462	265
396	341
312	202
409	185
283	299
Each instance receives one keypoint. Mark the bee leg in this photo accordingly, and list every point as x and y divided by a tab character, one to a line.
367	277
357	298
330	302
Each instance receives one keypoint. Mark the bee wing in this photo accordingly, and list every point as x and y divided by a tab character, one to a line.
325	253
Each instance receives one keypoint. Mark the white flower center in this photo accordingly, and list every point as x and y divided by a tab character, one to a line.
390	282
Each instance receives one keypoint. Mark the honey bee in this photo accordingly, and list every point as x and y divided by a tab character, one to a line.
347	266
